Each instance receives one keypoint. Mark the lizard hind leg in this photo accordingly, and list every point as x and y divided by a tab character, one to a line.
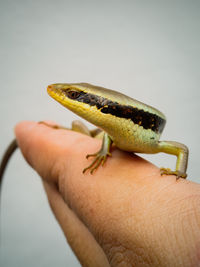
179	150
77	126
80	127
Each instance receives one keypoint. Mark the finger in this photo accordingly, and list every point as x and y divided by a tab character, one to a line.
122	204
44	147
79	237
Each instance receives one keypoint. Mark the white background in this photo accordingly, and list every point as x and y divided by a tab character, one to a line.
148	50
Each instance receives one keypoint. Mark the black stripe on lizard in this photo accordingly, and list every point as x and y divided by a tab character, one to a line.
143	118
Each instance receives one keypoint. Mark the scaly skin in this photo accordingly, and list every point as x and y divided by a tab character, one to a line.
131	125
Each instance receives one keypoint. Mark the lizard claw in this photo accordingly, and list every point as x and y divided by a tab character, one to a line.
167	171
100	158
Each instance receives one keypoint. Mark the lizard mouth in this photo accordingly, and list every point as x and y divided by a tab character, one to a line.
56	93
50	89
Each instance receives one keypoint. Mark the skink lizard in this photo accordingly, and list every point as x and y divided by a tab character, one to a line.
131	125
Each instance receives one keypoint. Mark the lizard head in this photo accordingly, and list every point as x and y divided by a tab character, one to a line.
81	98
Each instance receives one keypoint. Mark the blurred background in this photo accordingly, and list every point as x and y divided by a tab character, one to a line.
148	50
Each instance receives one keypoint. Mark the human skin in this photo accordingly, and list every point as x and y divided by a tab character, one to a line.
125	214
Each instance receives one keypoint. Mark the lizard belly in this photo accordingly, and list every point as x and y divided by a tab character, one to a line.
131	137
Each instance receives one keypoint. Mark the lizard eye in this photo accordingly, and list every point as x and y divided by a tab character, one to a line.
73	94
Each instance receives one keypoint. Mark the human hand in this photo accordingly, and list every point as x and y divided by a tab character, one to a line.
125	214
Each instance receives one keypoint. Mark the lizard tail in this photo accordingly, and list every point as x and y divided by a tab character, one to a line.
8	153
